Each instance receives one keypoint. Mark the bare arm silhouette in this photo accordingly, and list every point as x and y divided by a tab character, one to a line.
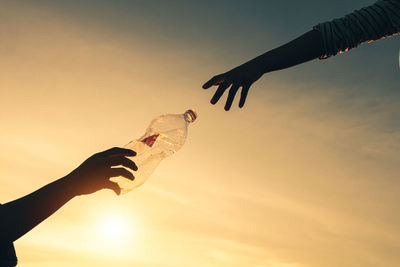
304	48
20	216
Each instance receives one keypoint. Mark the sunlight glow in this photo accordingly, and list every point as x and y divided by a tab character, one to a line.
114	228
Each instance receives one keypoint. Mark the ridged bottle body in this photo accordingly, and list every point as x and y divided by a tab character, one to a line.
165	135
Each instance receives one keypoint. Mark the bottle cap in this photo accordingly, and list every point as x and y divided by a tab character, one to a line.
190	115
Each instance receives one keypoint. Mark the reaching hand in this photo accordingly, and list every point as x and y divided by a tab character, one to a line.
243	76
94	173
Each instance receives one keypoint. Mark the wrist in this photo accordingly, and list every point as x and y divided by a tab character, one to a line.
68	186
260	65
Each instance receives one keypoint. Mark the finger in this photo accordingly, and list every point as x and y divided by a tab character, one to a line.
114	172
243	95
123	161
218	79
220	91
117	152
113	186
231	95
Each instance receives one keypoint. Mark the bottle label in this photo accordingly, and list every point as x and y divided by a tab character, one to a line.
150	140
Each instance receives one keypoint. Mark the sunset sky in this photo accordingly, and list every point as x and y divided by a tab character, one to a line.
305	175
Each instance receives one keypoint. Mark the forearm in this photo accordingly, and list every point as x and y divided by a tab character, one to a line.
20	216
329	38
307	47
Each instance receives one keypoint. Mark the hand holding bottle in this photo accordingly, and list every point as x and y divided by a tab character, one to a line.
94	173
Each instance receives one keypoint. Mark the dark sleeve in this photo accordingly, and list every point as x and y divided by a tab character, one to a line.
7	252
370	23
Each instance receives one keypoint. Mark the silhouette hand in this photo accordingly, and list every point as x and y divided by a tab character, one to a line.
94	173
243	76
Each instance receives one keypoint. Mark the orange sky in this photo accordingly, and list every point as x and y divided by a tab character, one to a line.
294	179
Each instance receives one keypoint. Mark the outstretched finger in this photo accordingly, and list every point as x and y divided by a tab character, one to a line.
216	80
114	172
231	95
220	91
243	95
113	186
123	161
117	152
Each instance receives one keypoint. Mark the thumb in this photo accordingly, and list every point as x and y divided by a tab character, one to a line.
113	186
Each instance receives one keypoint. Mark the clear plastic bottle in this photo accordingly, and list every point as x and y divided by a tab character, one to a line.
165	135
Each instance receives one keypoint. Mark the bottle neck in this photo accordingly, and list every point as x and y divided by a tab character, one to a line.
190	116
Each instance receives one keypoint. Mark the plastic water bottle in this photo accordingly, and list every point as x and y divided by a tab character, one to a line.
165	135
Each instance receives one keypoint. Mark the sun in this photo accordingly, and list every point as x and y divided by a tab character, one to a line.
114	233
113	228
